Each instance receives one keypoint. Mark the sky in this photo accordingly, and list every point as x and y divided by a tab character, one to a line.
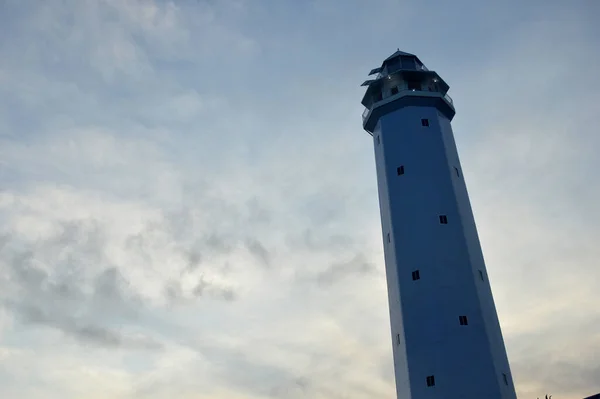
188	202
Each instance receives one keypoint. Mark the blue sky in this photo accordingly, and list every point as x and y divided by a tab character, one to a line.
189	204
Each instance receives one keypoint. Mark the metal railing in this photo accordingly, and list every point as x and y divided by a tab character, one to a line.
384	73
367	111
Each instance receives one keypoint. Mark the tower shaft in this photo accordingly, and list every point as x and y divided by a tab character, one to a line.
447	341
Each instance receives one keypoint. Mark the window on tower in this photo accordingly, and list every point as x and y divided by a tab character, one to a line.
505	378
398	339
425	122
481	275
443	219
414	85
457	172
378	141
388	237
394	90
430	380
378	97
416	275
463	320
400	170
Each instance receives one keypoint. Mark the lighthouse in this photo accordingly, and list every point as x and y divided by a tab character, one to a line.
446	337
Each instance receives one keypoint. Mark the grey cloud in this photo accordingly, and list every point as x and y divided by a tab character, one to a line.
202	249
31	283
110	284
218	244
200	252
178	223
385	368
21	265
572	370
210	290
97	335
179	228
206	289
85	236
558	377
50	286
4	239
259	251
327	377
173	291
336	272
312	240
110	338
257	213
113	294
194	258
142	241
66	290
230	367
296	387
79	330
235	368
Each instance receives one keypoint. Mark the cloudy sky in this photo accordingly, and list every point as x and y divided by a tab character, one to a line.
188	202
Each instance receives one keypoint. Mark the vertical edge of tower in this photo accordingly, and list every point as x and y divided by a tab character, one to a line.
478	266
395	306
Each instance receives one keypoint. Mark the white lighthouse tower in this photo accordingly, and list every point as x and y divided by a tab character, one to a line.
447	341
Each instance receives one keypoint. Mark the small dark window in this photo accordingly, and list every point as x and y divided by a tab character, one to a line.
400	170
457	172
378	141
388	237
481	275
416	275
394	90
505	377
443	219
378	97
463	320
430	381
425	122
414	85
398	339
